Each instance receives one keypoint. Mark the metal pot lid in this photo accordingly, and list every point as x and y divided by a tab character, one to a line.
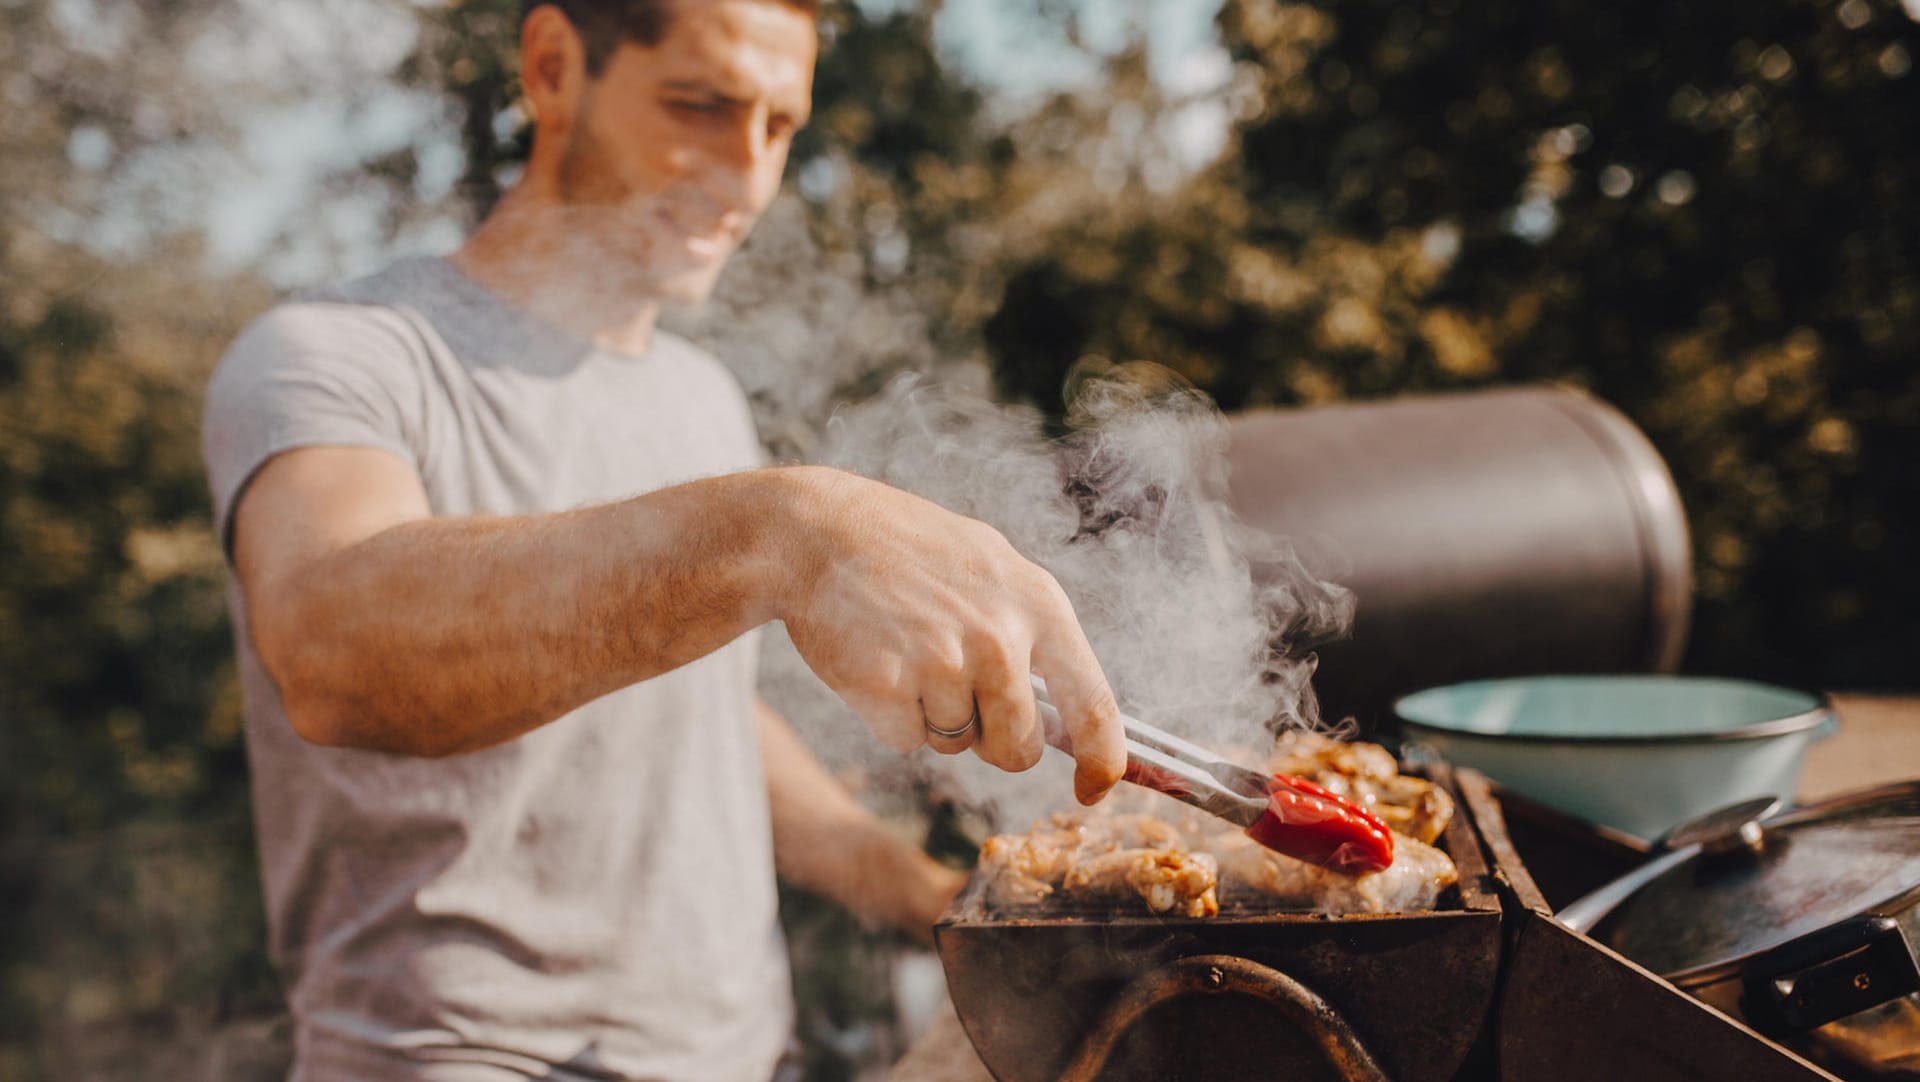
1814	868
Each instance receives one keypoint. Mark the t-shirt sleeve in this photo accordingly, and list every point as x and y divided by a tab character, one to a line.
307	375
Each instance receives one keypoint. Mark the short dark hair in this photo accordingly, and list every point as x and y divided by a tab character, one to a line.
606	24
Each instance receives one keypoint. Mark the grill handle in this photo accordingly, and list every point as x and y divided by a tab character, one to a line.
1221	974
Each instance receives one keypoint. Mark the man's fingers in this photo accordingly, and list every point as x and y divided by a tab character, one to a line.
897	724
1080	693
948	704
1009	728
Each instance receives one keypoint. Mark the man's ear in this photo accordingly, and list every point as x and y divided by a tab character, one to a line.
553	67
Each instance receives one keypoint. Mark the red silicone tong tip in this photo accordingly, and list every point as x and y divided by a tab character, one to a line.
1306	821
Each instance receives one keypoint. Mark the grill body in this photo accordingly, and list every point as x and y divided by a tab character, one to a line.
1413	989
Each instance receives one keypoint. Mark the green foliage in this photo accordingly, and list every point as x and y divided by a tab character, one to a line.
126	861
125	854
112	629
126	865
1705	215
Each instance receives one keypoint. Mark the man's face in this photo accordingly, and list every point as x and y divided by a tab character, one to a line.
679	147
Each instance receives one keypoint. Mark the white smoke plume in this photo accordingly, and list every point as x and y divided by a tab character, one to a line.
1127	508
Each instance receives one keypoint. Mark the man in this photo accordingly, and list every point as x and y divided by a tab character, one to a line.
499	548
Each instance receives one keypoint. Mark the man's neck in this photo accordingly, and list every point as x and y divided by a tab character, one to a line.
524	254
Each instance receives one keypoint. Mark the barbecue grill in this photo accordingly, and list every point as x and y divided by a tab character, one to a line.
1075	992
1070	992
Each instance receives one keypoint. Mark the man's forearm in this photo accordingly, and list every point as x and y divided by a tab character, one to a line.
447	634
385	627
824	841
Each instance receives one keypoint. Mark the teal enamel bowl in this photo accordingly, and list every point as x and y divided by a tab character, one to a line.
1641	754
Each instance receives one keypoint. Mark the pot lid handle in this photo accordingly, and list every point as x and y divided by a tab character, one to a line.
1735	827
1730	829
1851	966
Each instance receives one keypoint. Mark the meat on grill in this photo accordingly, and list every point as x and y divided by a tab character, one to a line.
1170	880
1108	857
1366	773
1184	870
1252	873
1023	869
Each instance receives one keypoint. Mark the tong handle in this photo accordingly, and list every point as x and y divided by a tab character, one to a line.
1249	783
1165	763
1138	732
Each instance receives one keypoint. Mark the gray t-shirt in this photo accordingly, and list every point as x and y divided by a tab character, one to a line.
594	899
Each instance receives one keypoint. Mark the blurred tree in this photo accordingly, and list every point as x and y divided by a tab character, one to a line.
125	856
1707	217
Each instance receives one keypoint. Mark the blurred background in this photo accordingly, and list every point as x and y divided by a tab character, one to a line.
1706	214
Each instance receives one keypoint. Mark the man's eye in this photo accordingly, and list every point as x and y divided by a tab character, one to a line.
700	108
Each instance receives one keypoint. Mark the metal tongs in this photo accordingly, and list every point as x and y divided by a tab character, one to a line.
1167	764
1286	814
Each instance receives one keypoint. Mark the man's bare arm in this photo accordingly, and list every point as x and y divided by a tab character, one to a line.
387	628
825	842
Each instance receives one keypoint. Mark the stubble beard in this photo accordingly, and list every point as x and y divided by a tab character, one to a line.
610	234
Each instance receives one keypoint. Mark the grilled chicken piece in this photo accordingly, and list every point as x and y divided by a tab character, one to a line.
1024	869
1309	755
1104	833
1411	806
1171	881
1008	889
1368	774
1415	880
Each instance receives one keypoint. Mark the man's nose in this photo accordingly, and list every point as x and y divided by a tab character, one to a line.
750	154
746	142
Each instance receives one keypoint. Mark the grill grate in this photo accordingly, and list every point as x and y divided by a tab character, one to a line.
1232	907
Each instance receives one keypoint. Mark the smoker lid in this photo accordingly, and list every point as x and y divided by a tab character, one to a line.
1817	866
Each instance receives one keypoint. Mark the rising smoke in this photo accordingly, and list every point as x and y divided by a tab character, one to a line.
1127	509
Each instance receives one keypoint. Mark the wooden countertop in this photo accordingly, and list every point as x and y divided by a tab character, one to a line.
1878	742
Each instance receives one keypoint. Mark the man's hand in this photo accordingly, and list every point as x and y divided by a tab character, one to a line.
918	617
824	841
